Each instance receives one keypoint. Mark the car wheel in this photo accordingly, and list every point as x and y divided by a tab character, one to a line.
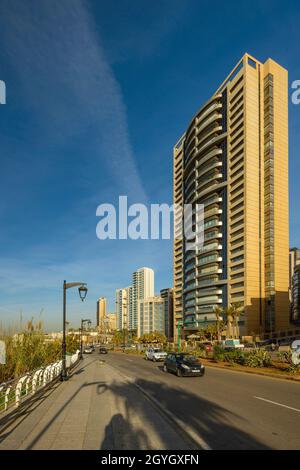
165	369
178	372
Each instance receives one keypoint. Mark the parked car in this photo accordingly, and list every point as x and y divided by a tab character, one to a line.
87	350
183	364
103	350
155	354
206	346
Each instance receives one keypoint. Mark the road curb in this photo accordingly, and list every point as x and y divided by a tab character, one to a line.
184	428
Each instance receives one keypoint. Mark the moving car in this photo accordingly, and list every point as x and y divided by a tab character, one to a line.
183	364
155	354
87	350
102	350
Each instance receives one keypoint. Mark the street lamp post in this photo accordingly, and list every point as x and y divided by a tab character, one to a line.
82	290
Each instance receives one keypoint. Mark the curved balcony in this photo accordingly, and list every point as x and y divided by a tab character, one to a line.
212	188
214	270
214	199
190	288
213	153
214	118
189	267
214	164
213	178
210	236
211	105
209	300
207	292
203	146
214	211
211	259
215	246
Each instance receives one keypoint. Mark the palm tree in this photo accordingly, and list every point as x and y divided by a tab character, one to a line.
218	311
233	313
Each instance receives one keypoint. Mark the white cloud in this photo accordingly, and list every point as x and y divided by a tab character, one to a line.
66	82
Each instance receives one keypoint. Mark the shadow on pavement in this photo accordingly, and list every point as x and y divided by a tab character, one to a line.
208	419
136	438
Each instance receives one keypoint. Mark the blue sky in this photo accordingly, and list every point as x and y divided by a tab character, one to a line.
97	94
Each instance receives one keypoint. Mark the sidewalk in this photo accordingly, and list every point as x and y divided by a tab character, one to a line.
95	409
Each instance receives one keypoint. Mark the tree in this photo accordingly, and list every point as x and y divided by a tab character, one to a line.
233	313
219	312
154	337
118	337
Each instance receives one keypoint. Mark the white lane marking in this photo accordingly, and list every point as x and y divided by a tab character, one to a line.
278	404
129	360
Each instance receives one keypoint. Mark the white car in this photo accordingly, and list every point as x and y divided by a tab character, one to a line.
155	354
88	351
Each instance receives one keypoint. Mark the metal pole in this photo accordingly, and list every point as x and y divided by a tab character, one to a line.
178	335
64	346
81	345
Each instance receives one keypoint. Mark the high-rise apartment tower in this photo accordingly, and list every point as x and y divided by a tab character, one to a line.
233	159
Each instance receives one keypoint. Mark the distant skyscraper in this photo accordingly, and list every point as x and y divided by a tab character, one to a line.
129	306
121	309
142	288
111	321
233	159
101	312
151	316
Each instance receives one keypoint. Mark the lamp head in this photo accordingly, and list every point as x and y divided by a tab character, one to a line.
82	292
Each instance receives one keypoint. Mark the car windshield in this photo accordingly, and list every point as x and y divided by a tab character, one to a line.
157	350
186	358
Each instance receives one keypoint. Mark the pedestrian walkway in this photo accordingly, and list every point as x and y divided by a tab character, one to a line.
95	409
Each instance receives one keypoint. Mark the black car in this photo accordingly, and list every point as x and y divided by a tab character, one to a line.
183	364
102	350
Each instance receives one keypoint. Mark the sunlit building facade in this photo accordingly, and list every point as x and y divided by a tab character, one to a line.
233	160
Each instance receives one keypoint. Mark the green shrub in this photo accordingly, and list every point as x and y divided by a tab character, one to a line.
258	358
29	351
218	353
199	353
235	357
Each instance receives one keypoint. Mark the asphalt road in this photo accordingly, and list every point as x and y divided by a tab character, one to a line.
227	409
